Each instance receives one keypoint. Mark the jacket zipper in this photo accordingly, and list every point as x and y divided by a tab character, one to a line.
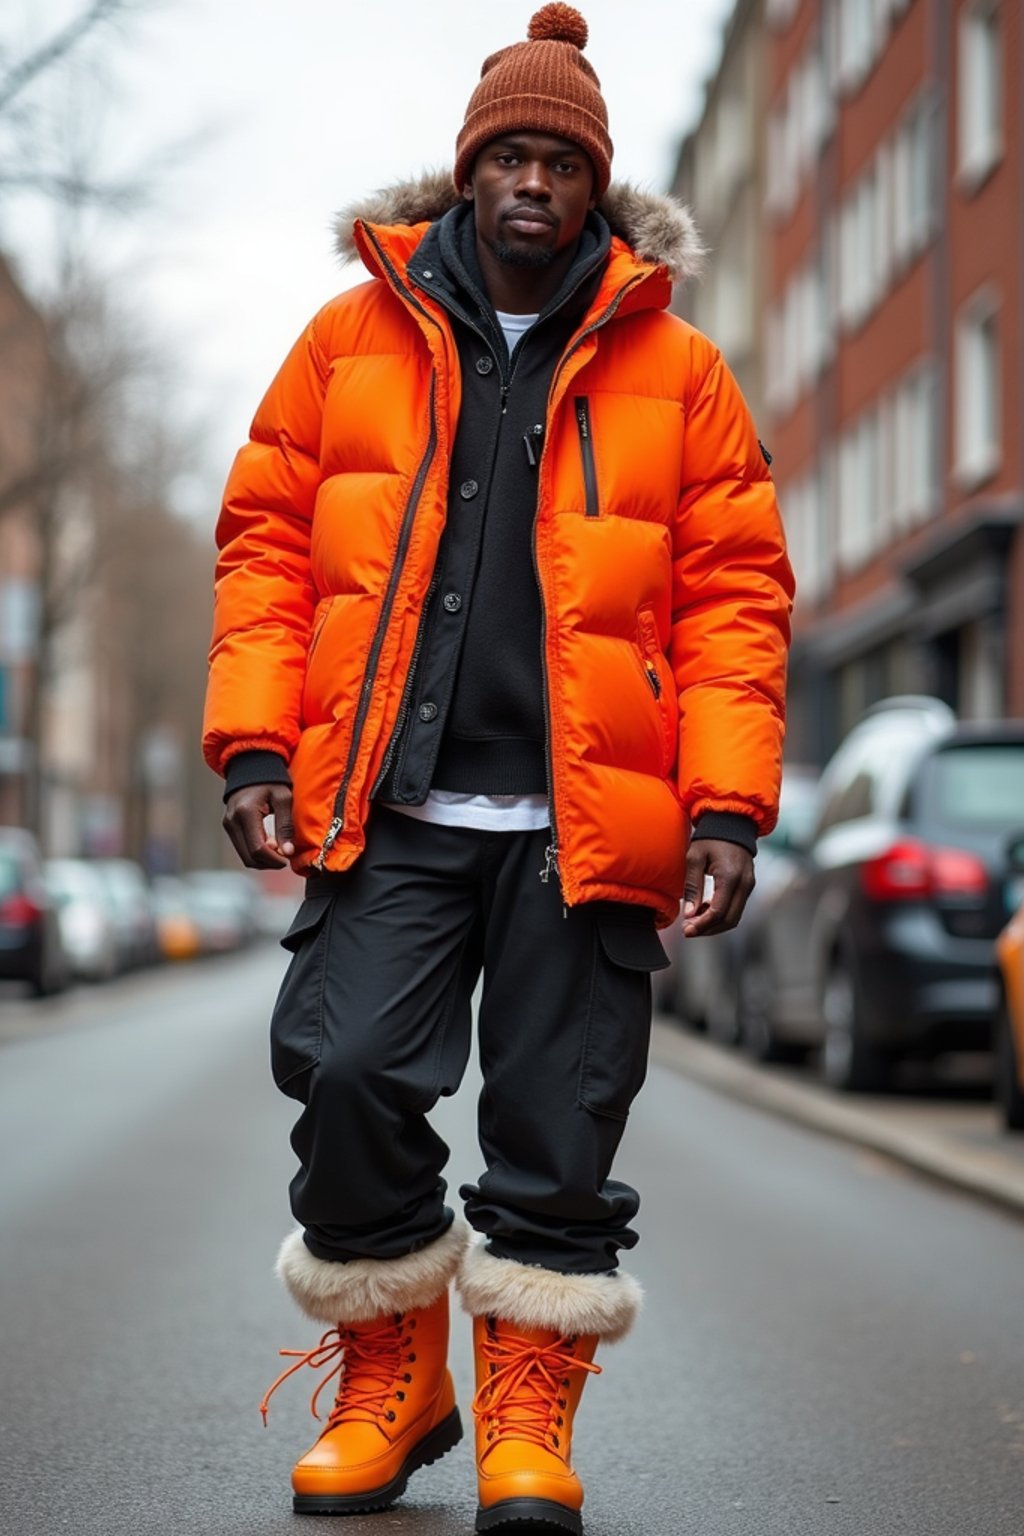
651	673
403	708
533	438
552	852
587	451
408	515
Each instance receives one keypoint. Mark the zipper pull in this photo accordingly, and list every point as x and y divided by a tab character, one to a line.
653	678
531	437
328	842
504	398
550	863
583	418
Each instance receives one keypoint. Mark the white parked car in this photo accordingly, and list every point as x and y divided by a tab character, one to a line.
86	918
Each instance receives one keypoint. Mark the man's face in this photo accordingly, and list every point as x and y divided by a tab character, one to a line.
532	193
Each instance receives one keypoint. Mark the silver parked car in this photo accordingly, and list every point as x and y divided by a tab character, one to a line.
708	980
131	899
86	917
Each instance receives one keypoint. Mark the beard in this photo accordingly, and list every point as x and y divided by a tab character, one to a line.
522	255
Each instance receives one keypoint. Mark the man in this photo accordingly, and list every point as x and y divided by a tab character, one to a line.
503	597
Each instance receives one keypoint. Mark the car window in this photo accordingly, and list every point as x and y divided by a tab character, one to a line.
869	771
976	784
850	783
798	805
10	874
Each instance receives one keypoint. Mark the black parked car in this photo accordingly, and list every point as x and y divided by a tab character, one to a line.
30	943
879	944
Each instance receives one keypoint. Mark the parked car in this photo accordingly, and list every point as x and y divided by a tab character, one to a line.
30	939
230	889
131	900
1009	1042
86	917
221	923
702	985
879	943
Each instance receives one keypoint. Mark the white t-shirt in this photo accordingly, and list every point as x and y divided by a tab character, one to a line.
488	813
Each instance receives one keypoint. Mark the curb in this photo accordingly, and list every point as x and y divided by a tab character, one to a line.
973	1173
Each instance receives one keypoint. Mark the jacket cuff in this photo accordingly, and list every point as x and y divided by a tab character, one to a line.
728	827
255	767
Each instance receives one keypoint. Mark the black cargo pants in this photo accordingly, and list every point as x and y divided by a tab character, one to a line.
372	1024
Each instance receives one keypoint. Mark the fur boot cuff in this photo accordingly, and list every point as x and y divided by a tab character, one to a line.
362	1289
533	1297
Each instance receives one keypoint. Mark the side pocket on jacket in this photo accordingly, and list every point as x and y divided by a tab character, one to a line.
660	681
618	1028
297	1021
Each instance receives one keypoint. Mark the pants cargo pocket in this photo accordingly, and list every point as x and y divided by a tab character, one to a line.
618	1026
297	1021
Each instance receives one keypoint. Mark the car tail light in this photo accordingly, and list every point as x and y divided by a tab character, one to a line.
19	908
957	873
911	871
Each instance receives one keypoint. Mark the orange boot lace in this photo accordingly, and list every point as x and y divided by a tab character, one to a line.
522	1397
370	1361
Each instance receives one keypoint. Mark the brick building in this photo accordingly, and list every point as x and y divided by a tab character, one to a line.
894	236
720	174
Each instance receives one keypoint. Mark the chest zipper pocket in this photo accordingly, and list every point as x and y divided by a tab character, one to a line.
586	434
652	659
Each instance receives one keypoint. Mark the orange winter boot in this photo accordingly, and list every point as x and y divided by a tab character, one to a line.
534	1332
529	1383
394	1408
394	1411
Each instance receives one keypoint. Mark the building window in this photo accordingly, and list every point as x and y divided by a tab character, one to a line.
856	41
979	84
799	123
913	199
864	245
914	449
862	514
977	391
805	508
780	13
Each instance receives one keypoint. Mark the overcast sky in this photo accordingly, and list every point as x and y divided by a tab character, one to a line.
313	103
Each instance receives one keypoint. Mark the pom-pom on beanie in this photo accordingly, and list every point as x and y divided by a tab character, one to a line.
544	85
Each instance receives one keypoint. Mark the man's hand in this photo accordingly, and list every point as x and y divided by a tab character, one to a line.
243	822
732	869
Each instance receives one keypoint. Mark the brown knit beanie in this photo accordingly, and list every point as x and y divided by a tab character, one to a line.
544	85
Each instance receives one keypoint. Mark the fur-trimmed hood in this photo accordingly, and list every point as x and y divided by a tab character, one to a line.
657	228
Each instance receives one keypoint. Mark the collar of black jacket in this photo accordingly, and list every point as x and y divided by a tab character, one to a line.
445	264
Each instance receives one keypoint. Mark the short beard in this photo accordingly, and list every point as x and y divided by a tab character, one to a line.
523	255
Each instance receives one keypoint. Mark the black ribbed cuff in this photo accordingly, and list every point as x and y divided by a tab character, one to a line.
255	767
727	827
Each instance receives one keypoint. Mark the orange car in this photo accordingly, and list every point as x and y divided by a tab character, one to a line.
1009	1037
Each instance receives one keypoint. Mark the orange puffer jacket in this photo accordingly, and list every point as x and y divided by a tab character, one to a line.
660	556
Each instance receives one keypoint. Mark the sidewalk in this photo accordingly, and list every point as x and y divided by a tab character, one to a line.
957	1141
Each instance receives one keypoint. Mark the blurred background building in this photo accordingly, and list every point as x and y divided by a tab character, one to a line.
104	597
858	171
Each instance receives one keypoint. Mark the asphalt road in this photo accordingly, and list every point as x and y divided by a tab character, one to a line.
829	1345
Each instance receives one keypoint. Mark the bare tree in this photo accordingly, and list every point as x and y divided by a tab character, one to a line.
30	159
20	72
94	508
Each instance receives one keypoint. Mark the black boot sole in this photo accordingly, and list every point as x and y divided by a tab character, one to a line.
430	1449
528	1515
